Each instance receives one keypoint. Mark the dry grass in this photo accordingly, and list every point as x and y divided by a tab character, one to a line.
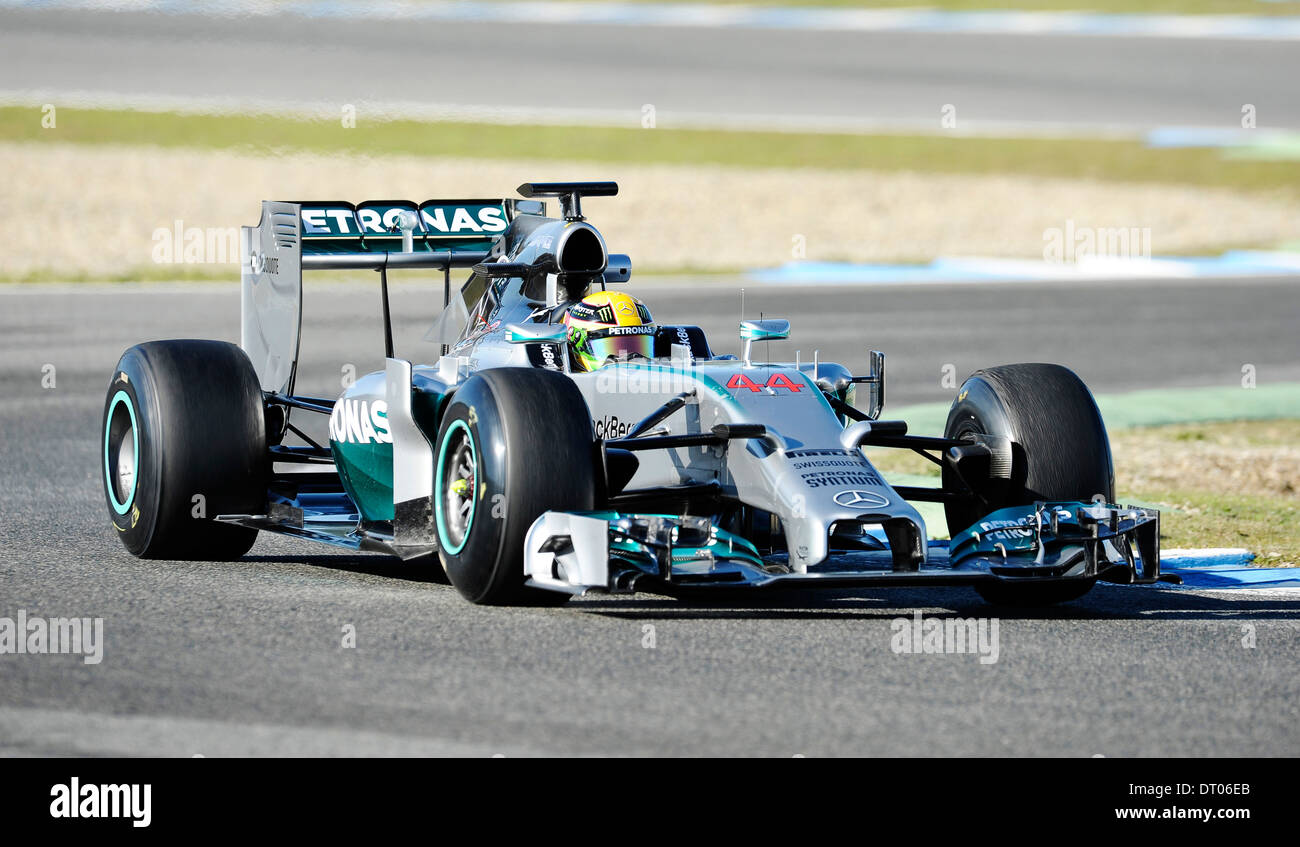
91	210
1260	458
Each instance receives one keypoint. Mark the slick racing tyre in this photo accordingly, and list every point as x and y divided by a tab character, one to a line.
1060	451
183	440
513	443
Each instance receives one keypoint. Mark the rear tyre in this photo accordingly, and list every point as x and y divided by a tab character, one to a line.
183	440
1060	452
513	443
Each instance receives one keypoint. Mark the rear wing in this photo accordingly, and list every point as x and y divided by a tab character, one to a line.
293	237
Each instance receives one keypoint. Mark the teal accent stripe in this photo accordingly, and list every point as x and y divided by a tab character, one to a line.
736	547
817	392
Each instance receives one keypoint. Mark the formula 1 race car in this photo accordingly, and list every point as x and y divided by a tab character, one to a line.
564	443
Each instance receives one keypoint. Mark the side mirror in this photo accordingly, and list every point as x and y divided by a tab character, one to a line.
557	334
751	331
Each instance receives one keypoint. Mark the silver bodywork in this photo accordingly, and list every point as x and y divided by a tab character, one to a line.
802	470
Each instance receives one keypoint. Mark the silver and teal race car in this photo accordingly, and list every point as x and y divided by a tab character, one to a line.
524	473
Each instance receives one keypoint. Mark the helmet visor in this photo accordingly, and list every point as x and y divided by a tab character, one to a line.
601	346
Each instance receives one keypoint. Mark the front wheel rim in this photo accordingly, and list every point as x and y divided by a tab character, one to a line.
124	479
457	487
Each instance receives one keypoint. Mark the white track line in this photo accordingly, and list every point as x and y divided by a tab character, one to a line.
699	16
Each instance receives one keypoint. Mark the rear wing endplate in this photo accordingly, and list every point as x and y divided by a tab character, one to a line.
292	237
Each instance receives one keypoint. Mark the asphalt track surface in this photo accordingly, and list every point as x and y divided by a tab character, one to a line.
770	76
245	659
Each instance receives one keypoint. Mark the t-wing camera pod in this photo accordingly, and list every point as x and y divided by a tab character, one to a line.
569	193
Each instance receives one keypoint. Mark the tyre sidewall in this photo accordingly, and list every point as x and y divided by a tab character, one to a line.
534	451
475	408
202	448
135	524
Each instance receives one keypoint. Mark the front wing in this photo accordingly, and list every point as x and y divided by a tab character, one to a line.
612	552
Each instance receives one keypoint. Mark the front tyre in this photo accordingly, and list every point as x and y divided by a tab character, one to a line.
513	443
183	440
1060	451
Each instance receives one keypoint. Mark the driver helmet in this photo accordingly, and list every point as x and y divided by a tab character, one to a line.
608	324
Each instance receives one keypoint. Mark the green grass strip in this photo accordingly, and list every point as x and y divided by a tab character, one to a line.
1096	159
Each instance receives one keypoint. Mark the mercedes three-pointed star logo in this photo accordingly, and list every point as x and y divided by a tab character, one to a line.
861	500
